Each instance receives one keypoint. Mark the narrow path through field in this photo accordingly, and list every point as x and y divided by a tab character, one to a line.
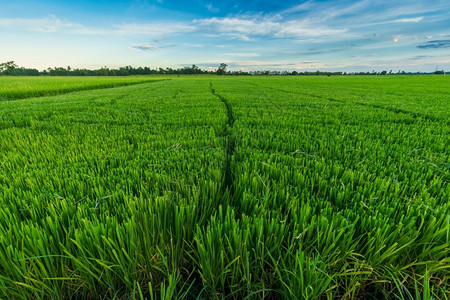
230	144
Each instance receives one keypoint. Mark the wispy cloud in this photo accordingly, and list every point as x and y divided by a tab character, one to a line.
306	6
211	8
365	13
153	29
435	44
49	24
251	26
318	22
328	10
146	47
52	24
393	21
407	20
316	51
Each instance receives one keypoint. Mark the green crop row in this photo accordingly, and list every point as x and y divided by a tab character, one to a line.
26	87
228	188
420	96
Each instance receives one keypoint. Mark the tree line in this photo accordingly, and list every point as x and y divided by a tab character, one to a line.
10	68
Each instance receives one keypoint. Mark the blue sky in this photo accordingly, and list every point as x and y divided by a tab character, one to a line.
312	35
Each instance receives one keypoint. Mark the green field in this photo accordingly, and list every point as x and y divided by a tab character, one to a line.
34	86
226	188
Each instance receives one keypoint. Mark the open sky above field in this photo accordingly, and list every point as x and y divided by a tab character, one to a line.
249	35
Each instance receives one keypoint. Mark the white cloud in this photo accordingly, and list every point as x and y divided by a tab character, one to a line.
367	13
407	20
48	25
248	27
154	29
309	27
327	10
402	20
52	24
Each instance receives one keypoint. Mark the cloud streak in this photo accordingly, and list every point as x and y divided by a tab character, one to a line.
50	24
249	27
436	44
407	20
153	29
146	47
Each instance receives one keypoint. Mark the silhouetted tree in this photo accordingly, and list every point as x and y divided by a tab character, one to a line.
222	70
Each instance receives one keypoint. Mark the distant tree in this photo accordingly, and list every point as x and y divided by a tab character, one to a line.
123	71
222	70
11	69
8	68
103	71
195	69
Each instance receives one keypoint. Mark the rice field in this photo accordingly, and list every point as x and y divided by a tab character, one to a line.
226	188
37	86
